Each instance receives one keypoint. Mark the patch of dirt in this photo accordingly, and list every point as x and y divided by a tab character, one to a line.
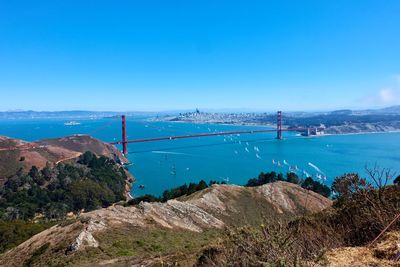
33	158
383	253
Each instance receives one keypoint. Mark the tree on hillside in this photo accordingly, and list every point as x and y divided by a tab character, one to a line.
291	177
346	185
308	183
316	186
380	178
46	172
264	178
202	185
34	172
86	158
397	180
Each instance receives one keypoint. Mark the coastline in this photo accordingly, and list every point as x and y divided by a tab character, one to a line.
273	126
359	133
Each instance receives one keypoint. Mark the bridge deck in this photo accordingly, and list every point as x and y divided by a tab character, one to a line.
206	134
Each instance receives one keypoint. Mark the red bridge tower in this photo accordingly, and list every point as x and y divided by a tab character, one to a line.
124	140
279	125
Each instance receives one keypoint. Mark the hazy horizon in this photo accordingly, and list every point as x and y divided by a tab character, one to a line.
219	110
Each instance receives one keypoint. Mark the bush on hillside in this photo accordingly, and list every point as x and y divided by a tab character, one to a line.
397	180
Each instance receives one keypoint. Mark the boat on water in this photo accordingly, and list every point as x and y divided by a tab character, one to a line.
71	123
173	170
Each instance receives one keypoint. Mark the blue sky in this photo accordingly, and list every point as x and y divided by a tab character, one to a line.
169	55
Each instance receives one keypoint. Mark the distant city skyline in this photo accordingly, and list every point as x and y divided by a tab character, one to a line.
211	55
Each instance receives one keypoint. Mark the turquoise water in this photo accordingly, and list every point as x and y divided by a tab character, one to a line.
165	164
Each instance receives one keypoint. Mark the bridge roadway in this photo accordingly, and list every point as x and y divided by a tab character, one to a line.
206	134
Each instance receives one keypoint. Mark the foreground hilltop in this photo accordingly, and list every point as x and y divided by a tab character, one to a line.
16	154
128	235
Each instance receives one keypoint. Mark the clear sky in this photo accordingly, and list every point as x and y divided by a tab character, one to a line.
169	55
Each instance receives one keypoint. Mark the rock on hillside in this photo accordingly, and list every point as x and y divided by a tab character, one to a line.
212	208
15	154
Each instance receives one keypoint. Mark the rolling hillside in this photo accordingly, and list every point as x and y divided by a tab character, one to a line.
125	236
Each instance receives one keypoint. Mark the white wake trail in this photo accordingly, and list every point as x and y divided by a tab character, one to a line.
316	168
168	152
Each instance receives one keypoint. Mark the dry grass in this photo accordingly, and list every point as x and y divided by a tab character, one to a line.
381	254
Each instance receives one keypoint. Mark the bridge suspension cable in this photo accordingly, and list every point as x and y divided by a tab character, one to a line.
124	142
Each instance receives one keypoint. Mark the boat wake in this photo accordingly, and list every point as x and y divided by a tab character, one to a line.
168	152
315	168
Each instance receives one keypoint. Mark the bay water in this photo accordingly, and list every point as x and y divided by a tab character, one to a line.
161	165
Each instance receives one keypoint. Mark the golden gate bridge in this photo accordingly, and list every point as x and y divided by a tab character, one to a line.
279	130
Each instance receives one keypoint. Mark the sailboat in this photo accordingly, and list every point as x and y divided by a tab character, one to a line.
173	170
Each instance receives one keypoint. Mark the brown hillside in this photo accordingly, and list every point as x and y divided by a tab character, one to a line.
120	235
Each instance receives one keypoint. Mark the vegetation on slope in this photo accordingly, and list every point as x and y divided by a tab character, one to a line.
49	194
87	184
361	211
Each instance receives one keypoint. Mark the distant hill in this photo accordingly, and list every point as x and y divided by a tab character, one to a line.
393	110
390	110
74	114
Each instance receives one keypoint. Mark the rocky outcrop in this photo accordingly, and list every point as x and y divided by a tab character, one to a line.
287	197
85	238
